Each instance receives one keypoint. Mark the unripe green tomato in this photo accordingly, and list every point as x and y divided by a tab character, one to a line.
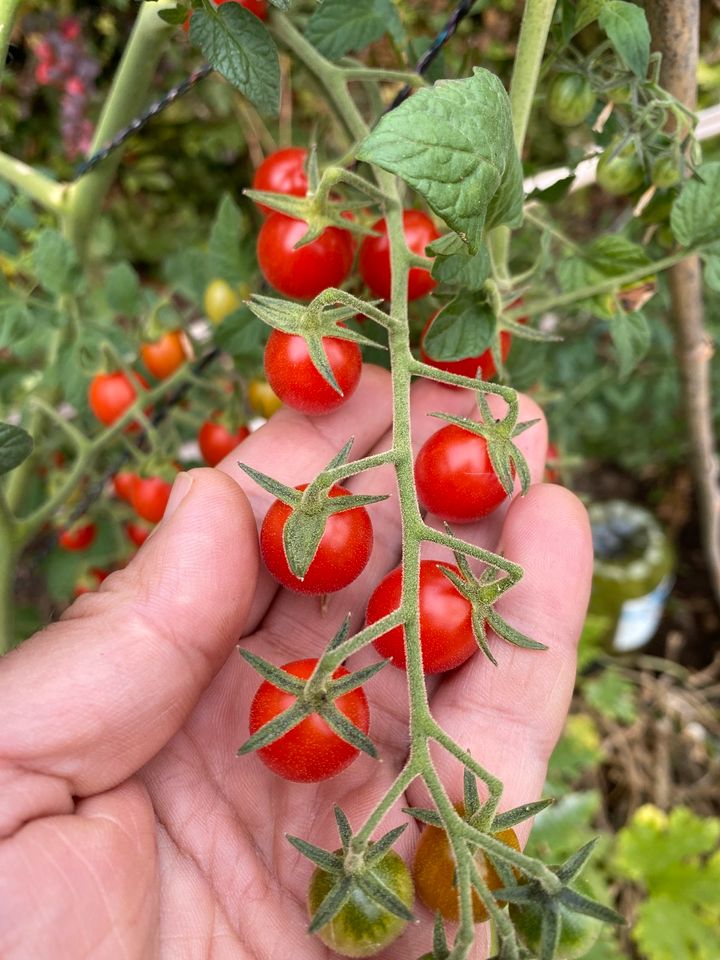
622	173
577	932
620	94
665	172
570	99
362	927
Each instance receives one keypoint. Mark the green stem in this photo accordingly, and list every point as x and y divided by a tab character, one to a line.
126	98
394	792
8	11
48	193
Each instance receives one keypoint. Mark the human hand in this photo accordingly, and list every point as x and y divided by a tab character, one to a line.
130	828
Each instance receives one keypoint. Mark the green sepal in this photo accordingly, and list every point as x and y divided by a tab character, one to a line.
341	456
504	630
337	897
380	893
590	908
471	797
519	893
280	491
440	944
574	864
431	817
339	638
276	675
302	534
381	846
549	933
330	862
344	685
276	728
305	320
316	214
344	828
519	814
344	728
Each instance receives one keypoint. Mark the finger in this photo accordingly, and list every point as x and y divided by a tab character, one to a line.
509	717
293	448
114	680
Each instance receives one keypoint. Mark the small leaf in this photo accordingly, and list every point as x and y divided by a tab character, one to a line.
330	862
695	215
56	263
463	270
627	29
15	447
587	11
230	256
235	42
453	143
465	327
122	289
336	27
631	336
333	903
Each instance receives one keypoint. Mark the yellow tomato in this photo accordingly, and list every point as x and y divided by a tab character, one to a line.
262	398
220	300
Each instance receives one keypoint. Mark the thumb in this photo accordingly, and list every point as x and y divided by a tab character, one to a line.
117	676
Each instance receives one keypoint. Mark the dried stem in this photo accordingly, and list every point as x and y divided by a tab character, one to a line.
675	27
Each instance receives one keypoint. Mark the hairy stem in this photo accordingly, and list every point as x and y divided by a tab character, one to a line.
8	11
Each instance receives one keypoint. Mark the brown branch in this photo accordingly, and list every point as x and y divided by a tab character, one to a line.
675	28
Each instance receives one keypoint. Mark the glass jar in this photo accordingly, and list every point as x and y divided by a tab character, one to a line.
633	573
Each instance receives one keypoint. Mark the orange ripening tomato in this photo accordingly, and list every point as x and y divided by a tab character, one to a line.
164	356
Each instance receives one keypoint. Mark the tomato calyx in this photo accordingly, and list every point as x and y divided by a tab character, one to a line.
311	506
312	322
314	696
354	867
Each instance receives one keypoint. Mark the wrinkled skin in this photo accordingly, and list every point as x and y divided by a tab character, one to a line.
130	828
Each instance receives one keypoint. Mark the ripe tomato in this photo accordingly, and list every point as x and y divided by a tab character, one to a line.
149	498
282	172
137	533
551	473
111	394
468	367
454	477
220	300
374	258
434	872
622	173
258	7
446	633
292	374
570	99
361	928
164	356
344	549
577	932
311	751
123	484
78	537
216	441
262	398
307	271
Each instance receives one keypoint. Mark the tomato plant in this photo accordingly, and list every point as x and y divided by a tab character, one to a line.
570	99
282	171
78	537
374	256
258	7
434	869
302	272
149	497
163	357
310	751
294	379
216	441
446	632
455	478
342	554
363	927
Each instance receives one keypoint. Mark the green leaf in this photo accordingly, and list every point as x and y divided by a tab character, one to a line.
631	335
188	272
695	216
453	143
230	256
587	11
337	27
15	447
612	695
56	263
464	328
242	336
122	289
175	17
712	271
236	43
467	272
627	29
614	255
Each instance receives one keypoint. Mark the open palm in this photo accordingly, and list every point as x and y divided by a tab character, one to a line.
131	829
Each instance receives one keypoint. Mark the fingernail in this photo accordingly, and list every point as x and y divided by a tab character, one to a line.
180	489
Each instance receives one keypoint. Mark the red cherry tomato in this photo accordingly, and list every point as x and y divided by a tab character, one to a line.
216	441
111	394
343	552
374	258
468	367
446	633
311	751
78	538
164	356
137	533
282	172
149	498
258	7
123	484
307	271
551	473
292	374
454	477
